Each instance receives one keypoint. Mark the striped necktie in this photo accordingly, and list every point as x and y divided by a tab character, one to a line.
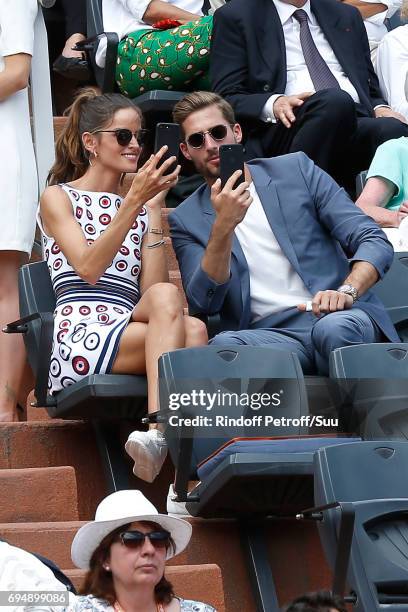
321	75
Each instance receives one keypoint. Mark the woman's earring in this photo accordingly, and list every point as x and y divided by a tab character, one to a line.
95	154
106	567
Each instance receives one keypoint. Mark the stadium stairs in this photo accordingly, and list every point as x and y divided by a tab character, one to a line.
51	481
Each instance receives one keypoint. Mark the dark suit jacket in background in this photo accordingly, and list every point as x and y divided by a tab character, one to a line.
248	56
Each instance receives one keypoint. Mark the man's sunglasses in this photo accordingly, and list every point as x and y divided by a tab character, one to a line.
124	136
135	539
196	140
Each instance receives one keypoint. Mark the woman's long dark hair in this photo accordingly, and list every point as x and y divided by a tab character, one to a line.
89	112
99	582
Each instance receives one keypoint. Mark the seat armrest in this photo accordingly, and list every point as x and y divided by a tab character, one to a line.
105	77
44	352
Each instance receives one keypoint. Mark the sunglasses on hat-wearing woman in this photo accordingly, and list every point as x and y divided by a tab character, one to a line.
136	539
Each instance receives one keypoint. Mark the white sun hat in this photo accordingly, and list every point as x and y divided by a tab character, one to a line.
121	508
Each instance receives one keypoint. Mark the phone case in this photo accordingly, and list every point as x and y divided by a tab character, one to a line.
231	159
168	134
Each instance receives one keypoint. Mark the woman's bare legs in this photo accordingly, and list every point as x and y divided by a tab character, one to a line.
157	326
160	309
12	352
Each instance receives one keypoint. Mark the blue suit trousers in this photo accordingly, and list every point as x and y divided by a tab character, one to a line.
311	338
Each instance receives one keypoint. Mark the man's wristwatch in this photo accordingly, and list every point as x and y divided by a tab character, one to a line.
349	290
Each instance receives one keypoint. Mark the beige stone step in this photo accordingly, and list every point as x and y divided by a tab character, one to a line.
38	494
52	444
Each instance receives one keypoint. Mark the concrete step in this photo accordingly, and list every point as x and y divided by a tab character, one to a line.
52	444
42	494
199	582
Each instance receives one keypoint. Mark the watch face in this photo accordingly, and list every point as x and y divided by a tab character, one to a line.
349	290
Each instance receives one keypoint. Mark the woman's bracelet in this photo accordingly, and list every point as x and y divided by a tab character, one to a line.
155	244
155	230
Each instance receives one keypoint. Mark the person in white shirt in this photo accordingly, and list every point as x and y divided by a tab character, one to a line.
375	15
22	571
299	76
392	66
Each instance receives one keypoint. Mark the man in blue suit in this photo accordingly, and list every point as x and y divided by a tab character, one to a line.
260	252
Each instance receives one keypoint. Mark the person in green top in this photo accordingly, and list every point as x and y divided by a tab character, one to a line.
385	195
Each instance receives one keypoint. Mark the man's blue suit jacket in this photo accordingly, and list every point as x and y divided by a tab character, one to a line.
319	229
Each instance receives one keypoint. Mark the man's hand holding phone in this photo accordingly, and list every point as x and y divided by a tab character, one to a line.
230	203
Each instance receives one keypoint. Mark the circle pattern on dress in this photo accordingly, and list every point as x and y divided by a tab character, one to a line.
80	365
104	202
105	219
65	351
121	265
79	335
92	341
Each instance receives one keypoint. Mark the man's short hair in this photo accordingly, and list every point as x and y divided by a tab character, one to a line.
197	100
321	601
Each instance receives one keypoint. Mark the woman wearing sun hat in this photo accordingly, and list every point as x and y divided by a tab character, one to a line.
125	550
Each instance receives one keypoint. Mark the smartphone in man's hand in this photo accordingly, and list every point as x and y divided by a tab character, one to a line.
168	134
231	159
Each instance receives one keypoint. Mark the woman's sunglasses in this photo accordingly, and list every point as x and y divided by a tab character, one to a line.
124	136
196	140
135	539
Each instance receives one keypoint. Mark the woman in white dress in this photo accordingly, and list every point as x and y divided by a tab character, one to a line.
115	310
18	184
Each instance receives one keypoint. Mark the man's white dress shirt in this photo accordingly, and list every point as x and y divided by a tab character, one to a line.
274	283
298	77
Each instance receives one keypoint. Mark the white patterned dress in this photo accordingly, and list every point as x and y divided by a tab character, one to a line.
89	319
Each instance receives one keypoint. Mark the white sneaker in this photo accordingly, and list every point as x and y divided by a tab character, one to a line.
175	508
148	450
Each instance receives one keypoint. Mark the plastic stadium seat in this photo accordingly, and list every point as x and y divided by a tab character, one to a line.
370	479
393	292
246	479
372	384
97	397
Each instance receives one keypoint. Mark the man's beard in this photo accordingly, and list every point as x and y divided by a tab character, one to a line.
206	171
